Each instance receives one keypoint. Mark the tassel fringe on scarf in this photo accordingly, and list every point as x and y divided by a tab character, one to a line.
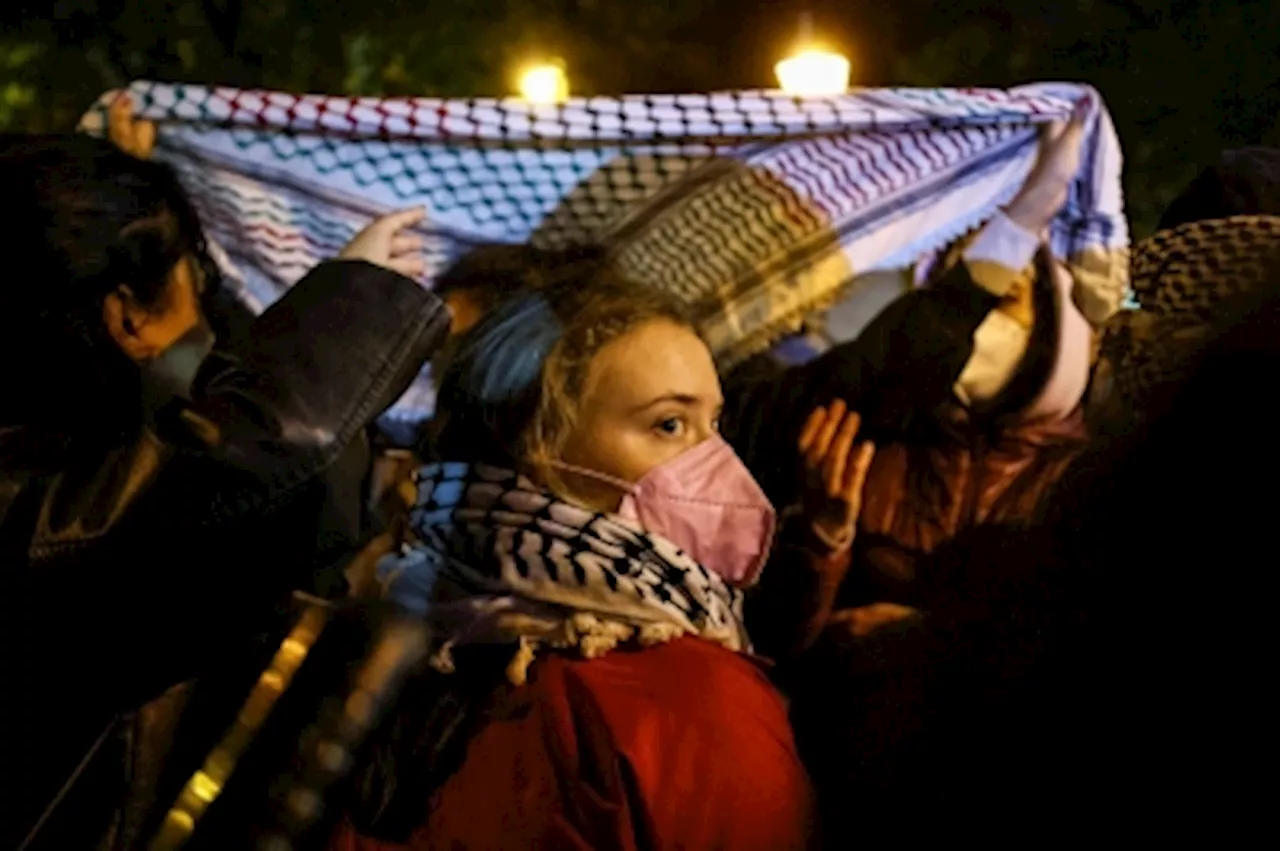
498	560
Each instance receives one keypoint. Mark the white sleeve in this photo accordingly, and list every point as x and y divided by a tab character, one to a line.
999	254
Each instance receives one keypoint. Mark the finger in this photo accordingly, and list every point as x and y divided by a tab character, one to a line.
868	623
814	452
409	266
120	123
1073	136
872	617
1050	132
407	243
811	426
144	136
842	616
1080	113
856	478
121	109
835	416
1064	148
879	614
838	457
1074	127
865	621
401	219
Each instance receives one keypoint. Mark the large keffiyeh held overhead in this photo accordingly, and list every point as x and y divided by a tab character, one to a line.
757	209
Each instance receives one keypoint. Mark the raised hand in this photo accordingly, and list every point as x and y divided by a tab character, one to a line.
1045	190
134	137
835	472
386	243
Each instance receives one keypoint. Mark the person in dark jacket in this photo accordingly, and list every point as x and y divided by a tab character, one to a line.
970	341
906	363
1072	675
157	500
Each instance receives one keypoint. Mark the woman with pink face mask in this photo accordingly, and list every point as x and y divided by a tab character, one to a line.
583	555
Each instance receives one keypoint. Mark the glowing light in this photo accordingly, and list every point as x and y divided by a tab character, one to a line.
813	73
544	84
204	787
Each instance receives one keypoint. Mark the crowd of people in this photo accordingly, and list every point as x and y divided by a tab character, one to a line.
958	570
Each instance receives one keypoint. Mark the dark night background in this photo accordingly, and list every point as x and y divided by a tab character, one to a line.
1182	79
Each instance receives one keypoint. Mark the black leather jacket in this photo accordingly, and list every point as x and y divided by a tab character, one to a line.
895	373
131	571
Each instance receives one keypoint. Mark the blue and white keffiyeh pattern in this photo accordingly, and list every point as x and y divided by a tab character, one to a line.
755	208
496	559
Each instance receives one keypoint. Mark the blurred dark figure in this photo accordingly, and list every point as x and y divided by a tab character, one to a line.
1243	182
1184	278
1087	674
488	274
158	497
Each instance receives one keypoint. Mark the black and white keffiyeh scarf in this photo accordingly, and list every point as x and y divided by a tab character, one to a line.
496	559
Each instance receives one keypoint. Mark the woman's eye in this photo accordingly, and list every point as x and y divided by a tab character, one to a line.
671	427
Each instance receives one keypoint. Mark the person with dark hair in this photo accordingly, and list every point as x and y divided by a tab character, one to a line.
158	497
971	387
1243	182
485	276
123	273
964	332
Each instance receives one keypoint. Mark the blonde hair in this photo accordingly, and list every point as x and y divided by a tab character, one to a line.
512	394
596	316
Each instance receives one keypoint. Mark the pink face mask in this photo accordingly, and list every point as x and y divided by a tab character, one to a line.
706	502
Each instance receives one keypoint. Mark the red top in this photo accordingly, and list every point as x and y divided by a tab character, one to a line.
681	746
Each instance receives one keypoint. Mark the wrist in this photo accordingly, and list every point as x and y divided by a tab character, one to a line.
1033	209
1000	253
831	542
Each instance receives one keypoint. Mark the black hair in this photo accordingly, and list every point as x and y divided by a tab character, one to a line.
1243	182
927	494
493	272
85	219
